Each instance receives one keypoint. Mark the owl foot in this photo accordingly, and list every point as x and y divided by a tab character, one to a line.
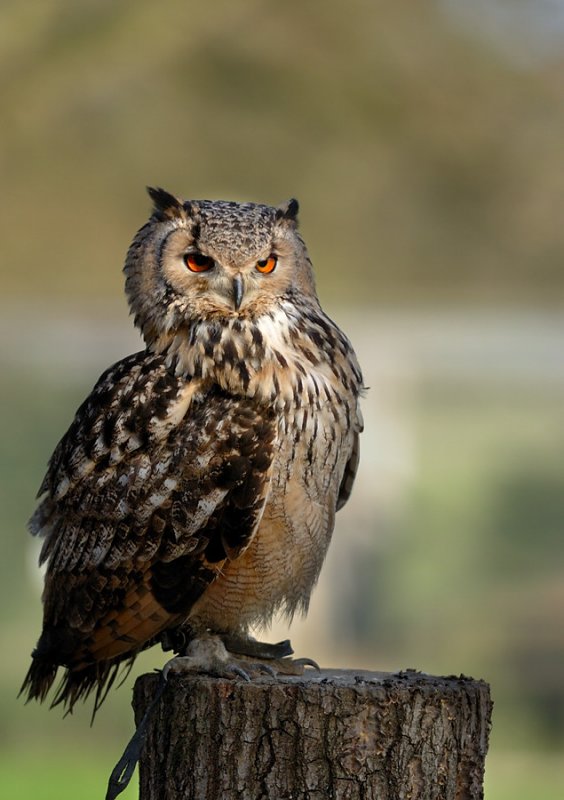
210	655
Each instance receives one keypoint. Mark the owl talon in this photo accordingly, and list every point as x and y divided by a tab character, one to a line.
307	662
239	671
265	668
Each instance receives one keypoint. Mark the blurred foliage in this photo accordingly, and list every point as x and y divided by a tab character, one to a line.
427	165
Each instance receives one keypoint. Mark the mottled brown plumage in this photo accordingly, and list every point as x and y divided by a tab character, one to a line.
196	489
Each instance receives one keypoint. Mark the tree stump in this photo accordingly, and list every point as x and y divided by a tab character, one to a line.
339	734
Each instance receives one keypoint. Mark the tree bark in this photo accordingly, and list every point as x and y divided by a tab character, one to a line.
329	734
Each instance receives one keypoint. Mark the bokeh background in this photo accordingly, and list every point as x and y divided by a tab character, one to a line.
424	142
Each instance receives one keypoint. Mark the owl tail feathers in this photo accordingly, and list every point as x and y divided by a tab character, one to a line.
76	684
39	679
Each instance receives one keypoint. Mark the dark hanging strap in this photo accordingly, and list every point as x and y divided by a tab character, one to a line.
124	769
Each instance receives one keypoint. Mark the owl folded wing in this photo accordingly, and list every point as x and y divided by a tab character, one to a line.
158	481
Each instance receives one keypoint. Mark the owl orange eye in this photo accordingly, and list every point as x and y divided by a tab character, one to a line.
266	265
196	262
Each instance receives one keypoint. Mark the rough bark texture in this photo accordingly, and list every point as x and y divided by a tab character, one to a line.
329	734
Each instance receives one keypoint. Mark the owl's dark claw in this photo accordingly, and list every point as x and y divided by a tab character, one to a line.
307	662
239	671
266	668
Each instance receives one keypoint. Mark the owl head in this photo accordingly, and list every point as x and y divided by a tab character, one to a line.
212	259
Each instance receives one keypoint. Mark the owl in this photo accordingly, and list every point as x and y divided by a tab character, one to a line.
194	494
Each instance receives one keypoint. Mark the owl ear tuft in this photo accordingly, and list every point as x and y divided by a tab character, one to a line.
166	206
288	211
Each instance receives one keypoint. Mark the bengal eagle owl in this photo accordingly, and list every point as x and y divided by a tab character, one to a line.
195	492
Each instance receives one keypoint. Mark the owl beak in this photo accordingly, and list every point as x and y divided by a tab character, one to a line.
238	291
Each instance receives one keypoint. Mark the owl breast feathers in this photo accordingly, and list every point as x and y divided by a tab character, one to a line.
197	486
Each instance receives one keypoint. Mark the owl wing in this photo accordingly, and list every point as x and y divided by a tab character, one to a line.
157	482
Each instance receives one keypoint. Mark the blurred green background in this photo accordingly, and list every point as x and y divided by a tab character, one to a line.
424	142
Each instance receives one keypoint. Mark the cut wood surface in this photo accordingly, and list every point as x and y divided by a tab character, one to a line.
328	734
